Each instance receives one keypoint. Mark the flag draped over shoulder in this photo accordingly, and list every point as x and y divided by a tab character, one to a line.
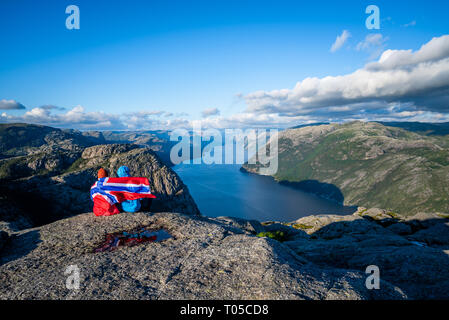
117	190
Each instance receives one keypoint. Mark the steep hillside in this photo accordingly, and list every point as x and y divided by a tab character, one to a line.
424	128
19	139
158	141
22	139
371	164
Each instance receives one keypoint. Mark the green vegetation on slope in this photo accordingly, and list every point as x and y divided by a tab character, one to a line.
276	235
372	165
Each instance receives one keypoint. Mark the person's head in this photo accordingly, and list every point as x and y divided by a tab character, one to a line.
102	173
123	171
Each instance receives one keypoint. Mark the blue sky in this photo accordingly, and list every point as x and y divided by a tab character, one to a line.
158	64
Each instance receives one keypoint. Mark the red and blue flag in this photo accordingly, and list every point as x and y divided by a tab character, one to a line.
117	190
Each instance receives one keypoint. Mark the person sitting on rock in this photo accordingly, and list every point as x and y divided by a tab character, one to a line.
129	205
101	206
107	192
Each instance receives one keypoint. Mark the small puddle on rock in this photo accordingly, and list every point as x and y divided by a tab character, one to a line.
132	238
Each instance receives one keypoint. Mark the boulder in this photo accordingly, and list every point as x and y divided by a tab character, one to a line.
311	224
252	226
3	239
416	263
425	220
400	228
435	235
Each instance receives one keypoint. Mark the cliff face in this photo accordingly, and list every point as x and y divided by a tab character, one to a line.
23	139
371	165
49	178
411	252
205	259
158	141
321	257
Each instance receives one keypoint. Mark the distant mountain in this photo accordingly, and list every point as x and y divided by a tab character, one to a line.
20	139
369	164
157	140
426	128
421	127
309	125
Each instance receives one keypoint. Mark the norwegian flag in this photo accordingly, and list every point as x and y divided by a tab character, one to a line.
117	190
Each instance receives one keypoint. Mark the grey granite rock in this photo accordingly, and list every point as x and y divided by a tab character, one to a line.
400	228
417	263
206	259
3	239
435	235
252	226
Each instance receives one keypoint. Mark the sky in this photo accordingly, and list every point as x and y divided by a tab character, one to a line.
143	65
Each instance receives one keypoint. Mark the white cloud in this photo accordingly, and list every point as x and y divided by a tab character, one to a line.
410	24
374	44
417	80
78	118
10	105
340	41
432	52
370	41
74	118
402	85
210	112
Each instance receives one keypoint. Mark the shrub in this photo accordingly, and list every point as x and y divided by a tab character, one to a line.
301	226
277	235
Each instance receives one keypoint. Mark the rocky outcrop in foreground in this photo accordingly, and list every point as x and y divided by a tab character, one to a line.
322	257
411	252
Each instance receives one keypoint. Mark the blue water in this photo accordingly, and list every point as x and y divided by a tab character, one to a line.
223	190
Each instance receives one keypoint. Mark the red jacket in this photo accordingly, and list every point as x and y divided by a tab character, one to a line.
103	208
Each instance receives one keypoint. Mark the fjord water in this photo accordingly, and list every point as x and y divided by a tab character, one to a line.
223	190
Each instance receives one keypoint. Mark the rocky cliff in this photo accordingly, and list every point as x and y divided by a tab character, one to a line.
50	178
412	252
205	259
157	140
318	257
44	230
368	164
21	139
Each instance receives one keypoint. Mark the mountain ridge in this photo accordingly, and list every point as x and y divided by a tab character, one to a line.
371	164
